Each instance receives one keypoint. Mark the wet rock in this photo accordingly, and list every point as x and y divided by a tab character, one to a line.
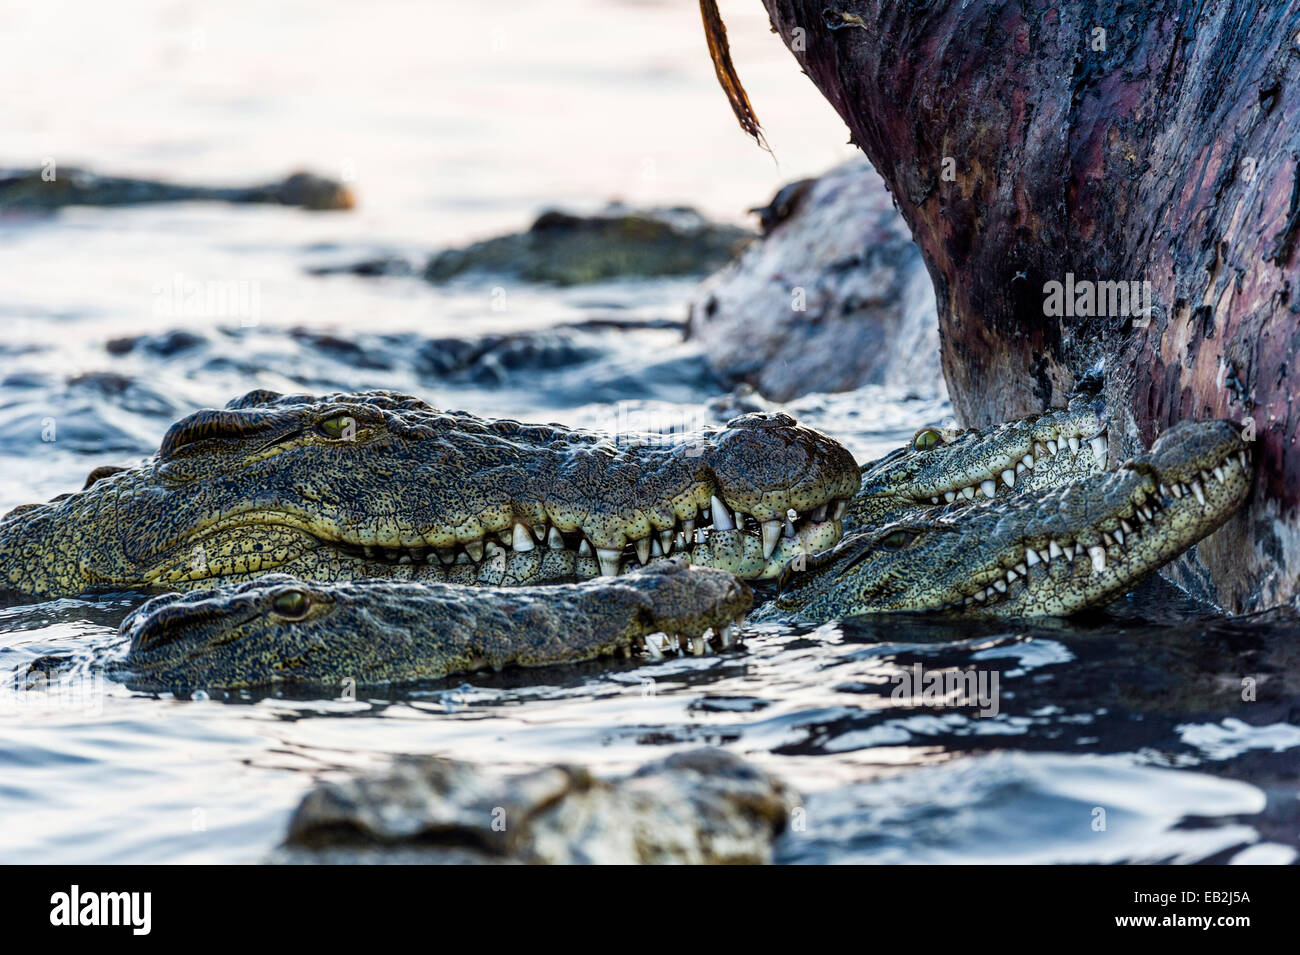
705	806
33	189
368	268
566	249
163	346
835	295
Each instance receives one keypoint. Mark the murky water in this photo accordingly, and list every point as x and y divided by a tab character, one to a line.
1124	737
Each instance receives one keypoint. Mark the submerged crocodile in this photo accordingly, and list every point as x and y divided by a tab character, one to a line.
34	190
278	630
1042	553
381	485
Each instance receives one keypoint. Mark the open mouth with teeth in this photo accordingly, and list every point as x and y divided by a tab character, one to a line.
1163	514
718	536
1088	454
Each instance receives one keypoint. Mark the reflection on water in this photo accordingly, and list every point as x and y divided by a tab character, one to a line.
1124	737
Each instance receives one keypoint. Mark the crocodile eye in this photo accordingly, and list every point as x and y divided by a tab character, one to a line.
926	439
338	426
291	605
897	540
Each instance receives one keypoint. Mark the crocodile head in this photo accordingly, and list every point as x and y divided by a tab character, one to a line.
280	630
1048	553
941	465
379	484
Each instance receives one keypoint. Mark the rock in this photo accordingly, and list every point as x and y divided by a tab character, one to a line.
566	249
705	807
833	297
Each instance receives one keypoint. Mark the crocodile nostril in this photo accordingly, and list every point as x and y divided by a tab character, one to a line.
210	425
171	623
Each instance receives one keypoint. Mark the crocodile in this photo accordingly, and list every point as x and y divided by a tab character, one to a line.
956	467
279	630
1047	553
381	485
42	190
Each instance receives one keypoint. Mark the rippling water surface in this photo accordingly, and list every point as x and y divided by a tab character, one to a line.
1119	738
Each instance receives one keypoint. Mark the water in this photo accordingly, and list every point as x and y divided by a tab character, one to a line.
1119	738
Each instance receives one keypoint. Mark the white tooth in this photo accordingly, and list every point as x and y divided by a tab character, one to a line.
789	530
1198	491
1098	555
791	515
688	527
584	549
1099	448
968	493
1245	461
1028	461
1021	570
679	542
1107	539
655	549
553	539
506	538
540	532
608	557
771	535
841	507
447	555
1010	477
721	516
493	549
642	550
1053	550
701	535
697	646
1000	585
981	596
1020	467
1177	489
1119	535
1218	474
988	487
652	645
666	542
934	500
1039	450
950	496
1148	514
1031	556
1074	444
1127	528
819	514
522	539
1051	447
1011	575
1070	550
475	550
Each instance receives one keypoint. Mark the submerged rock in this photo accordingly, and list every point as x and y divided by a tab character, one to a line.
705	806
566	249
32	189
833	297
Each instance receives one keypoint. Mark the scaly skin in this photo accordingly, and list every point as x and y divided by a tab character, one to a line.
381	485
280	630
941	465
1049	553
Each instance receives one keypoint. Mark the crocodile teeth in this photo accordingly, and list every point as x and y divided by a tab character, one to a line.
934	500
771	536
988	487
1199	492
540	532
1119	536
1022	570
1039	450
1126	527
1028	461
1070	551
522	540
1218	474
608	558
642	550
584	549
789	530
721	517
1107	539
553	540
1098	555
447	555
655	549
1000	585
679	542
1031	556
819	514
950	496
475	550
1011	575
1051	447
968	493
1054	550
1148	513
1099	447
841	507
981	596
688	527
1020	467
652	646
1010	477
1245	461
1074	444
666	542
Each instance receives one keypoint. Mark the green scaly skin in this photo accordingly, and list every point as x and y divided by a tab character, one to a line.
958	467
279	630
380	485
1048	553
